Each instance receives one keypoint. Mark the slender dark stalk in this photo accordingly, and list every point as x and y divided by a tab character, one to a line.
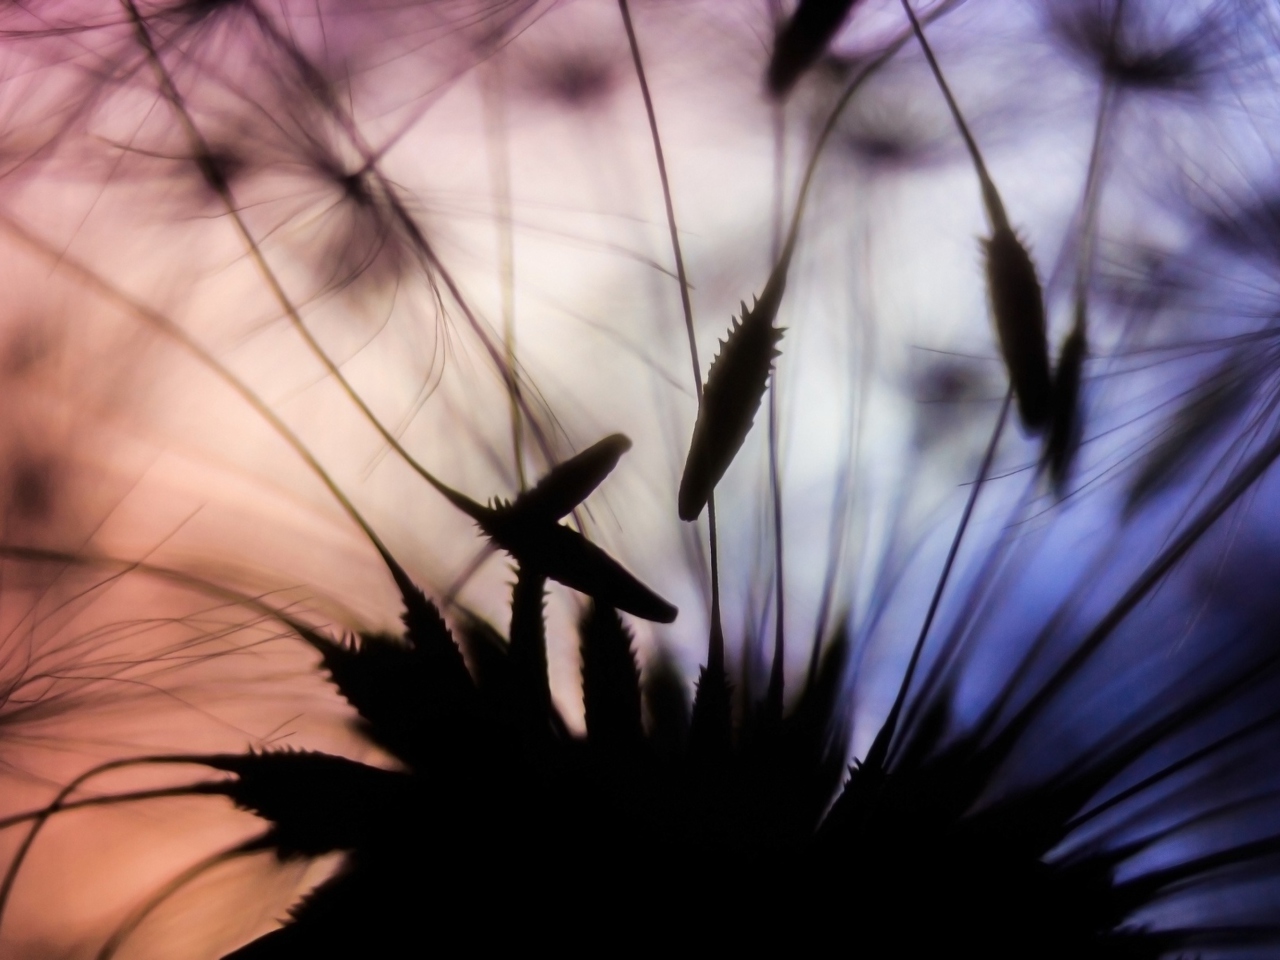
877	758
865	73
160	793
990	198
681	274
774	696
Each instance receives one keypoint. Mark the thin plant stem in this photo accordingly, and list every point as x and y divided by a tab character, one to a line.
20	855
828	128
775	490
500	175
776	690
159	793
991	199
681	275
715	642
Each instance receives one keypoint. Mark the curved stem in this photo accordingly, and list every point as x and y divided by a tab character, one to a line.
990	198
219	185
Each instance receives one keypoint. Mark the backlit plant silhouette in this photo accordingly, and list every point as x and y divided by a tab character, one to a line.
1032	718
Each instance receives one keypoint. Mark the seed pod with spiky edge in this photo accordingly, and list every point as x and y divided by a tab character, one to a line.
711	719
487	654
566	556
1017	308
803	39
735	386
1017	304
666	701
567	484
1064	424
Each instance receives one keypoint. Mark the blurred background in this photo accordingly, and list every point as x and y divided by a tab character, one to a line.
459	202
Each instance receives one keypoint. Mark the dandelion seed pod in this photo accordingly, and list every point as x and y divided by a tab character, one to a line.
1064	426
803	39
567	484
1017	308
734	389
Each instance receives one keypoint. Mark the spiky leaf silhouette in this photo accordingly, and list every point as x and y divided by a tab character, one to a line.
528	652
931	824
666	701
316	802
610	681
409	692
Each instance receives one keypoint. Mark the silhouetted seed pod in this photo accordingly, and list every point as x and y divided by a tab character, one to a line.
711	720
404	699
810	758
610	680
567	484
317	803
1017	305
564	555
803	39
527	529
1017	308
1064	426
735	386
